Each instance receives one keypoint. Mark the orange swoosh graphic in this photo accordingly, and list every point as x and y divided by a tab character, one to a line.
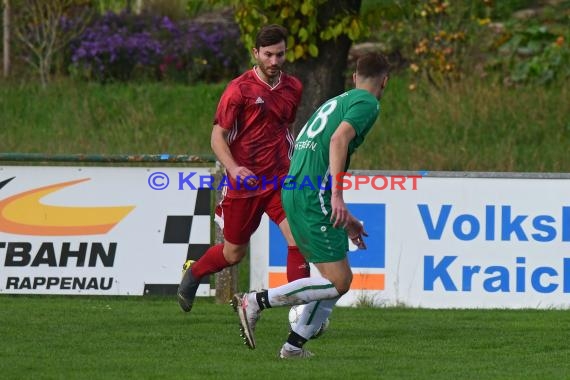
24	214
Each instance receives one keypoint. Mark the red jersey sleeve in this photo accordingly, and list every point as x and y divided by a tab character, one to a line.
229	107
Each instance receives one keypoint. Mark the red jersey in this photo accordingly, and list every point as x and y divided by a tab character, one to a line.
258	117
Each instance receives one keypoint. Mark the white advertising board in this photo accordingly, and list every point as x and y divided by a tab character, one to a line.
449	242
100	230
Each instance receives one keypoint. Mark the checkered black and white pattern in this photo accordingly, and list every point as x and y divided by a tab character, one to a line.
192	231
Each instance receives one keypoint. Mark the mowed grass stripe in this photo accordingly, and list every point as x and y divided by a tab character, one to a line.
87	337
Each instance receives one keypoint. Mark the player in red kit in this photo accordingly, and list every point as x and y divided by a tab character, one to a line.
251	138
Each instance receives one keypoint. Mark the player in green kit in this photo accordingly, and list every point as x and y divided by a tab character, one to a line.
313	201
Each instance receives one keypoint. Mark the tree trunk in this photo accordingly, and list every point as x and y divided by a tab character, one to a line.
43	70
138	6
322	77
6	41
227	278
325	76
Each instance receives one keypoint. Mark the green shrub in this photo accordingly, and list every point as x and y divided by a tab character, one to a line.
443	41
532	54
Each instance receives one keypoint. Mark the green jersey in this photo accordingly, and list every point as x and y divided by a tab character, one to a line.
311	156
305	199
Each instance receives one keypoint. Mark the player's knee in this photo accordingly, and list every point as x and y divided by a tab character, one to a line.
343	285
233	260
234	255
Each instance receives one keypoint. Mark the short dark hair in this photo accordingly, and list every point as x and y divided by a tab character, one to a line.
270	35
372	65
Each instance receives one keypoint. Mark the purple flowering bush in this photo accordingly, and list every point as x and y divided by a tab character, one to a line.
127	46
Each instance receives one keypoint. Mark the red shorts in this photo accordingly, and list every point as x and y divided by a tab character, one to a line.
240	217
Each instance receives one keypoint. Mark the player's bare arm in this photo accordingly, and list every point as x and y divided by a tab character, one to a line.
338	151
219	143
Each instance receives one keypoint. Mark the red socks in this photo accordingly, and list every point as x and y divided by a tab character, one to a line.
212	261
297	266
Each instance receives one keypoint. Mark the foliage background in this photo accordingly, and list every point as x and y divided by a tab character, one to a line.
477	85
516	41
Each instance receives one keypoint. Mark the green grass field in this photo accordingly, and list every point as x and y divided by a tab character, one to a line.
472	126
114	119
86	337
